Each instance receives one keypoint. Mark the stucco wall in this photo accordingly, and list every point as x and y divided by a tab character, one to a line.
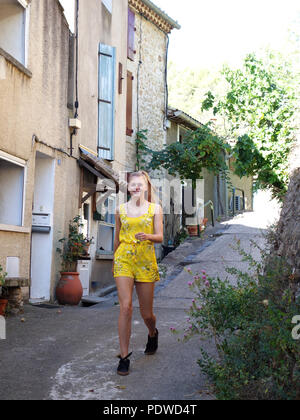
37	105
97	25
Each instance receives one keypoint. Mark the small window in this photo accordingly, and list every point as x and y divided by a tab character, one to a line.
11	193
106	228
108	5
13	28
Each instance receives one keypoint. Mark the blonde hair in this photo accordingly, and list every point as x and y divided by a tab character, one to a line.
153	196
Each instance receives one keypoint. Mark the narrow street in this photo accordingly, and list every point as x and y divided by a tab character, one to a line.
72	352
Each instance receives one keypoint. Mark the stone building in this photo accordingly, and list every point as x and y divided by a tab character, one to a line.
135	37
148	40
65	101
47	165
147	93
212	189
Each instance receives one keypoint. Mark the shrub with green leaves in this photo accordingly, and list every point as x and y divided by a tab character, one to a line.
73	246
250	321
2	276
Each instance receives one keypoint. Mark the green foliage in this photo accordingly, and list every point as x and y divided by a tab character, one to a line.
2	276
251	324
180	237
73	246
199	149
260	107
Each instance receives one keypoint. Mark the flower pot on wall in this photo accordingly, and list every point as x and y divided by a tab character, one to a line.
3	304
193	230
69	289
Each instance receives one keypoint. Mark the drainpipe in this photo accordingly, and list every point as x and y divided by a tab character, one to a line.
74	132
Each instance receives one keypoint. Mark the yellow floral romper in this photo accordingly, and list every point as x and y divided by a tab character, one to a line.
134	258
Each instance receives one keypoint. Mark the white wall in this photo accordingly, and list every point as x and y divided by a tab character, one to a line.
42	244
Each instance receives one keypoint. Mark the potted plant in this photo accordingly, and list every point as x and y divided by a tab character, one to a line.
3	302
69	289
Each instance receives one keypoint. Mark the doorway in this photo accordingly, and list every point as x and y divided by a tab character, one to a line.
42	230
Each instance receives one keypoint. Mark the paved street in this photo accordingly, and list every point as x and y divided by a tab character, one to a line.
71	353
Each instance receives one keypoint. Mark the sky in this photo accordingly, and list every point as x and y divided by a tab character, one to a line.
217	31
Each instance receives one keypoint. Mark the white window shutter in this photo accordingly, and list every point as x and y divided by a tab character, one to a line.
106	99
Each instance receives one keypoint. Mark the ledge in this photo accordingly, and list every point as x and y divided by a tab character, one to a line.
15	63
105	257
16	282
15	229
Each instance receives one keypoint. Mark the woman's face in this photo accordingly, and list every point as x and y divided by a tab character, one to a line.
137	187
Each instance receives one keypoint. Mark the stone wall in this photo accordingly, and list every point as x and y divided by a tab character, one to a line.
149	88
289	225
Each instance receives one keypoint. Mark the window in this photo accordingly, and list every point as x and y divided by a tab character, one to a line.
108	5
12	184
106	229
129	130
106	100
13	22
131	31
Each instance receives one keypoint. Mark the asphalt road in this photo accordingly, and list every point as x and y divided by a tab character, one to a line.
71	353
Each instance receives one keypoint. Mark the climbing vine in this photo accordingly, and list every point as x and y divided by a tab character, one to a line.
198	150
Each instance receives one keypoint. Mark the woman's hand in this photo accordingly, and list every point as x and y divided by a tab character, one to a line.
113	263
142	236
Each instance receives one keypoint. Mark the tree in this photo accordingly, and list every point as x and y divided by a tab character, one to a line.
259	109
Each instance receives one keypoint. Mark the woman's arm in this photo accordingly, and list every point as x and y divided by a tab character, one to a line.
117	235
158	236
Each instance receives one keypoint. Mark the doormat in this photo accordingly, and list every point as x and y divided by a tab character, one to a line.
45	306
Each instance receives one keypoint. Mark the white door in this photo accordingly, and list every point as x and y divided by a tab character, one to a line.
42	242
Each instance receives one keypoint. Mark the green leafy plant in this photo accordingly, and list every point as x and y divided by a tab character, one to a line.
250	322
259	110
180	237
199	149
73	247
3	276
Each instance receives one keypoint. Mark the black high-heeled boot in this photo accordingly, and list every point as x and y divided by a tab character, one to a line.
152	344
123	368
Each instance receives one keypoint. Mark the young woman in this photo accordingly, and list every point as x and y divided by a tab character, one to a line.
139	224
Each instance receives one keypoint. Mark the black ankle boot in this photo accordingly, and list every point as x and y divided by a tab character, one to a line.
152	344
123	368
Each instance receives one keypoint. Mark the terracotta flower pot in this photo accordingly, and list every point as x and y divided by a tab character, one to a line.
3	304
69	289
193	230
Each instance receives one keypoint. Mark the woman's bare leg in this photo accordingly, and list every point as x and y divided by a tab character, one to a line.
145	292
125	290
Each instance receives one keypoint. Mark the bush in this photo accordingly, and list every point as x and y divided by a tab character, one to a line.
2	276
251	325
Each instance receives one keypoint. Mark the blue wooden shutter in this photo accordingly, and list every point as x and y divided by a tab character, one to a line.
107	75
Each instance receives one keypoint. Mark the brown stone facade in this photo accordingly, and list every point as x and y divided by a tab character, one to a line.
289	225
